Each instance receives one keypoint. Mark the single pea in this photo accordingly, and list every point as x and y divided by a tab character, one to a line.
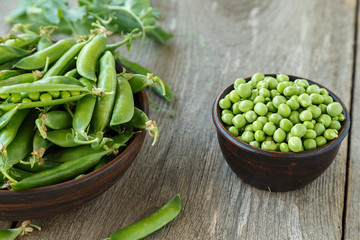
310	134
4	95
295	144
275	118
249	128
277	100
250	116
284	110
290	91
238	81
320	141
258	77
294	117
26	100
341	117
255	144
262	119
284	147
54	94
234	97
309	124
226	111
335	125
271	107
35	96
259	99
252	83
247	136
264	92
279	135
267	99
323	107
227	118
75	93
259	135
274	93
330	134
304	100
315	111
334	109
260	109
316	98
319	128
293	104
246	105
254	94
335	118
298	130
324	92
244	90
328	99
309	144
286	124
282	78
301	90
268	138
288	136
45	97
269	145
324	119
305	115
257	125
281	86
269	128
272	83
303	83
235	108
239	121
234	131
262	84
15	97
224	103
313	89
66	94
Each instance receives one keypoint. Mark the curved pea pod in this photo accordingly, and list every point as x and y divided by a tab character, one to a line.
137	68
63	172
53	53
88	56
68	154
60	80
8	73
23	40
124	103
66	60
4	119
141	120
57	119
59	101
8	53
107	82
37	167
138	82
39	146
23	78
72	73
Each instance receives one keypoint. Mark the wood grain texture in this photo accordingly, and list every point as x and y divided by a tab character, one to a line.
217	41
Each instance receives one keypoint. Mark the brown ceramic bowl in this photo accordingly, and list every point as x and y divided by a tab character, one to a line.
55	199
276	171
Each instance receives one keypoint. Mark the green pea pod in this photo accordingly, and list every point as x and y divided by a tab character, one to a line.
65	61
138	82
23	78
124	103
68	154
53	53
137	68
57	119
151	223
39	146
25	105
23	40
13	233
8	73
16	174
88	56
4	119
8	53
8	133
72	73
44	42
63	172
21	146
37	167
60	80
107	82
41	87
9	64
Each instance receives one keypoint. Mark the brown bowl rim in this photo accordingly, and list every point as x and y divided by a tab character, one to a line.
286	156
94	174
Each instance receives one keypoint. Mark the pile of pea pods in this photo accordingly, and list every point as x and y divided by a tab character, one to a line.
65	110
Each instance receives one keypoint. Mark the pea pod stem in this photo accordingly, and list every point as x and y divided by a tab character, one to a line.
151	223
11	234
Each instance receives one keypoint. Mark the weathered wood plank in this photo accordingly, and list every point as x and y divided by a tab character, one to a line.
216	42
352	226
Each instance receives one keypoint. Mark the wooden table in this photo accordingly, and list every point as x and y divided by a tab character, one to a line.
216	42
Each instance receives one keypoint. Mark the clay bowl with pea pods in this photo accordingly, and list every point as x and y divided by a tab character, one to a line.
279	132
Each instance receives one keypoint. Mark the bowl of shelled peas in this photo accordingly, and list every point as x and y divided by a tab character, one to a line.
279	132
72	122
